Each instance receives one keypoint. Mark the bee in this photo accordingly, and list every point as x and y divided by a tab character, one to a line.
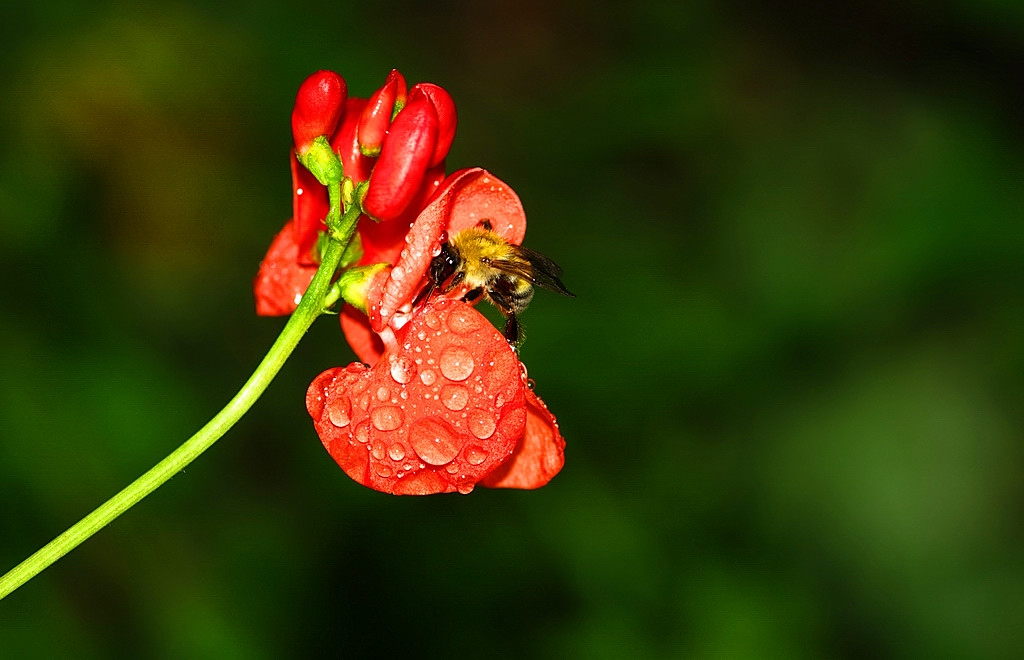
492	267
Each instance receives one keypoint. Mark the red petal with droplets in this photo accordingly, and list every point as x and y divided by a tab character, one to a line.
404	159
423	242
446	118
383	242
309	208
538	457
436	414
281	280
319	105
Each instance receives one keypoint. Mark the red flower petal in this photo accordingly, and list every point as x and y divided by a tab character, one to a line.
383	242
423	242
319	105
538	457
404	159
367	346
309	208
486	197
281	280
437	414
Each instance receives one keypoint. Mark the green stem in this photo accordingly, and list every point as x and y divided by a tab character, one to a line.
309	308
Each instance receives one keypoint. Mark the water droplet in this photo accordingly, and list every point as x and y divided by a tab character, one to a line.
475	454
465	489
431	320
454	397
340	413
427	377
463	320
363	431
481	423
531	383
402	369
421	335
433	442
396	452
387	418
456	363
452	468
382	393
377	449
383	471
364	401
522	372
499	401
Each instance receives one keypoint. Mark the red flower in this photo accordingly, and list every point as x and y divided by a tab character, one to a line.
440	402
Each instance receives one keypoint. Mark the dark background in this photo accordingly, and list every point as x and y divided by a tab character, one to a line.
790	384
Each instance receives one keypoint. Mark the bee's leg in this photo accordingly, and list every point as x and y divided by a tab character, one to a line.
512	334
486	224
473	296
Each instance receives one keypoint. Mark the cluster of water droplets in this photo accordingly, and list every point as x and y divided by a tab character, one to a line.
453	376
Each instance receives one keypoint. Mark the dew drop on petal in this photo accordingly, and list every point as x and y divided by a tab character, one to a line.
382	393
433	442
377	449
465	489
340	412
396	452
387	418
452	468
463	321
475	455
363	431
430	318
427	377
481	423
456	363
402	370
383	471
454	397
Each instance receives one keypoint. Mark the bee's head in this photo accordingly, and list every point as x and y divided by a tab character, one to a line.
444	265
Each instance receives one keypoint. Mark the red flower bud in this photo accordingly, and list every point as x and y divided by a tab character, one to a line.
385	428
445	108
376	116
318	108
281	280
404	159
344	143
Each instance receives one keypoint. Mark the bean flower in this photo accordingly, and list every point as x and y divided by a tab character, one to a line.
440	401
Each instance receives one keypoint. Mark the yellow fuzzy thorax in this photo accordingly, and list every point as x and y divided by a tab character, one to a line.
479	248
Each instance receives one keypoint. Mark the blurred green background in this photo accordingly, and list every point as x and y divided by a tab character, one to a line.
791	383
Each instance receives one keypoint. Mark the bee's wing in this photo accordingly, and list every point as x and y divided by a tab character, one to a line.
537	269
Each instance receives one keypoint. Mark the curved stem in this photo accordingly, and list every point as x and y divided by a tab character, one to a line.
309	308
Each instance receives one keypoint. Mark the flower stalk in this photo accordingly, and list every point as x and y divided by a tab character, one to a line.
312	305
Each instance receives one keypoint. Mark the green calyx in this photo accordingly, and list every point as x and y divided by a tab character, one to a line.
321	160
354	284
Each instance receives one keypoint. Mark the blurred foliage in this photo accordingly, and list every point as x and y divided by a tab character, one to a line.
790	384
